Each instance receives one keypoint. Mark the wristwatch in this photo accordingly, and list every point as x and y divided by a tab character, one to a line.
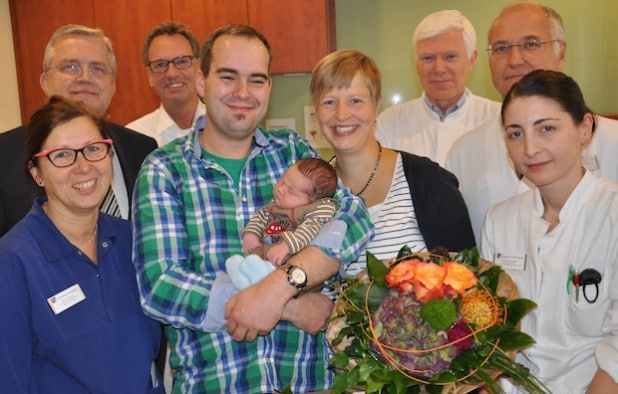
297	277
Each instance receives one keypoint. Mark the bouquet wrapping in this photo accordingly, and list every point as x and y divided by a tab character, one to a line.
430	322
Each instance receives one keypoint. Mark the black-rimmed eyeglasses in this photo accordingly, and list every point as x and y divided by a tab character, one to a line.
161	65
64	157
527	46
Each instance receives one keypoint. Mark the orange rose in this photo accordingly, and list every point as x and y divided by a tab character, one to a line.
402	275
458	276
430	275
423	294
406	287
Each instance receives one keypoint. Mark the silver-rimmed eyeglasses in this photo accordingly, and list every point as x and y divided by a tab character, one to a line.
502	49
64	157
74	68
161	65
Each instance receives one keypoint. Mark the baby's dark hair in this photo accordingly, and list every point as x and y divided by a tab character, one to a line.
321	174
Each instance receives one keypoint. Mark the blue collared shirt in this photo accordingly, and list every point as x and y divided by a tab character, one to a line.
444	114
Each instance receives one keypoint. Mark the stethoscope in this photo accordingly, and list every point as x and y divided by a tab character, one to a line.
587	277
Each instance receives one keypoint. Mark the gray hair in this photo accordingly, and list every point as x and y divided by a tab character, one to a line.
77	30
556	24
170	29
442	21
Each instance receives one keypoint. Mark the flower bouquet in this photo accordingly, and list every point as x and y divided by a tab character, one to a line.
432	322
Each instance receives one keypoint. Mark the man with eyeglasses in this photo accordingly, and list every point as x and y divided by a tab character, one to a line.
524	37
170	53
445	53
79	64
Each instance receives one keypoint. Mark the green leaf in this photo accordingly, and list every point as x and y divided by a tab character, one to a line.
470	257
357	349
366	367
515	341
481	337
344	381
497	331
490	278
404	251
356	296
374	386
340	360
484	350
376	269
376	295
433	389
465	362
517	309
444	377
399	383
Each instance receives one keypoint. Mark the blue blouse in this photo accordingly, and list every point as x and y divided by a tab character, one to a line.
102	342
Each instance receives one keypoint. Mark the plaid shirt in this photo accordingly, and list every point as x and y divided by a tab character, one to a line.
188	218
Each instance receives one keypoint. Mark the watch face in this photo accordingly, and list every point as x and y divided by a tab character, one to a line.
298	276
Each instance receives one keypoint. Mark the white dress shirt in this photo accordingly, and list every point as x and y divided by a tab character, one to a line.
159	125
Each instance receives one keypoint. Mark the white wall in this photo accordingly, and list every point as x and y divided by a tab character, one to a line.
9	98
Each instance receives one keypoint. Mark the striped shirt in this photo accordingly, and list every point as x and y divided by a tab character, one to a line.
188	216
299	226
394	222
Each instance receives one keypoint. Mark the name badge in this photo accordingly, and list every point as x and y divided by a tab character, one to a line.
590	163
513	262
66	299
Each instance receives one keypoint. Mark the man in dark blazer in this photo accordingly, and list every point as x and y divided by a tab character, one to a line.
79	64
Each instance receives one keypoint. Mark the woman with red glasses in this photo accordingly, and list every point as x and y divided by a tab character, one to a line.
71	319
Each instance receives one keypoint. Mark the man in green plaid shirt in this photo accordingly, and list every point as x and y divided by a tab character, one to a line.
192	200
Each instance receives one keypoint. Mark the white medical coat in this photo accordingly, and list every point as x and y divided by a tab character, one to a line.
574	338
413	126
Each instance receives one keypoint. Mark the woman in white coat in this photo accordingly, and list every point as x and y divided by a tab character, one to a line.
559	241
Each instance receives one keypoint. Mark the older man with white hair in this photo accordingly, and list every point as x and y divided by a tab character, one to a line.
445	49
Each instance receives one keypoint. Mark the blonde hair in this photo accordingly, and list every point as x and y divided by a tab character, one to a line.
337	70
